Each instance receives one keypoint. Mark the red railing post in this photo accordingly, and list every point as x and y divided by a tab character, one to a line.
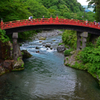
1	23
57	19
51	19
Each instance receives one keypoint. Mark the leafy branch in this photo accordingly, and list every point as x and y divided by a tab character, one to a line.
3	36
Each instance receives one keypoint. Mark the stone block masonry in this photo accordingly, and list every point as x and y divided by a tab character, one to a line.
81	40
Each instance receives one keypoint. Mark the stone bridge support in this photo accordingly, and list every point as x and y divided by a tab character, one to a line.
81	40
15	45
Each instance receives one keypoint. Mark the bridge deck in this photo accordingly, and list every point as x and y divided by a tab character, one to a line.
47	21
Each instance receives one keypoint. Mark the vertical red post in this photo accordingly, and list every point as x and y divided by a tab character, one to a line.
1	23
57	19
51	19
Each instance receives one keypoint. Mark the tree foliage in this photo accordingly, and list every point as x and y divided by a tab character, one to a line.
3	37
13	10
96	4
69	37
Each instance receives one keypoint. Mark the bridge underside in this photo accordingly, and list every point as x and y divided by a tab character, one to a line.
82	34
69	27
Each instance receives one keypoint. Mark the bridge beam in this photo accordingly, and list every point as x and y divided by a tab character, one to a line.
15	45
81	40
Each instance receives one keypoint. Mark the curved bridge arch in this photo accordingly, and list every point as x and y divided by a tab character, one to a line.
50	23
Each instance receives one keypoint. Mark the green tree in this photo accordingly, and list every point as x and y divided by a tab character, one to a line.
96	4
13	10
69	37
3	36
37	9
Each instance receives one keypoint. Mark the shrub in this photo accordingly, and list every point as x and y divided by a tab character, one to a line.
67	53
61	44
3	36
98	42
69	37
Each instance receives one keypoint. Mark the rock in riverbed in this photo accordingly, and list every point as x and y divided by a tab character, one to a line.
61	48
26	54
42	38
47	45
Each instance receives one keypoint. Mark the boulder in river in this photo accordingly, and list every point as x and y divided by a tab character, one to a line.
37	51
42	38
40	41
47	45
18	65
51	48
61	48
37	48
26	54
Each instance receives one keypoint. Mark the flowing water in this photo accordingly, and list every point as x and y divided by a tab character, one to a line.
47	78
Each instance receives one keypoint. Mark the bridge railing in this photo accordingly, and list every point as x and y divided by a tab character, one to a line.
48	21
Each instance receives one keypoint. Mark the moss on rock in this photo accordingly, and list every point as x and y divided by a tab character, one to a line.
42	38
18	65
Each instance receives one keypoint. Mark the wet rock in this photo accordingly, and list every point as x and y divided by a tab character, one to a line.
40	41
42	38
61	48
37	48
18	65
50	48
37	51
47	48
47	45
26	54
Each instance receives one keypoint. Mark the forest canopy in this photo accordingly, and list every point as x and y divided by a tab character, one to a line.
21	9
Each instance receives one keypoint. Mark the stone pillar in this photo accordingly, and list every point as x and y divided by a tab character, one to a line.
84	36
81	40
78	40
15	51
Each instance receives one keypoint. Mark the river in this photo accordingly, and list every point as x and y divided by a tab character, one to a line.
47	78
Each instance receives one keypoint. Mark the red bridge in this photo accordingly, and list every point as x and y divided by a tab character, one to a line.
50	23
82	28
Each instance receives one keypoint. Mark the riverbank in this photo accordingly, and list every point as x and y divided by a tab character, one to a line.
74	62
